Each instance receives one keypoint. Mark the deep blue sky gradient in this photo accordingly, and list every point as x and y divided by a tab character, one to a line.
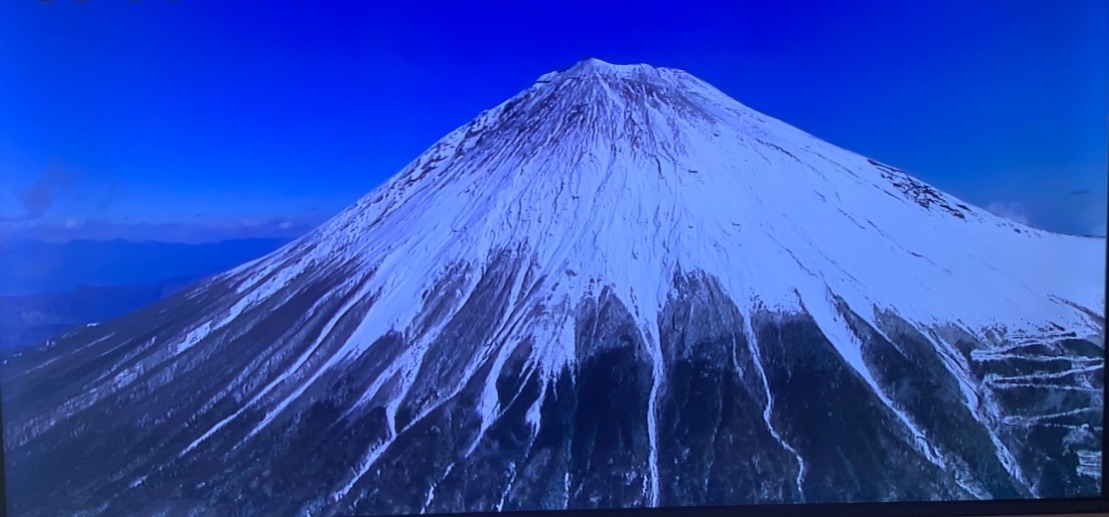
205	119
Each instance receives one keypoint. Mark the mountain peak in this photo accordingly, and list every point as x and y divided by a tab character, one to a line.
595	63
598	66
615	102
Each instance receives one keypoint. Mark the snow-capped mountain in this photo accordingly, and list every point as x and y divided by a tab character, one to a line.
618	288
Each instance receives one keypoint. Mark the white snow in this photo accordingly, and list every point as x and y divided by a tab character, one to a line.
1089	463
768	410
654	482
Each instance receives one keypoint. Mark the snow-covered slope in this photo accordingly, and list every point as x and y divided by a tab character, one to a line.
610	230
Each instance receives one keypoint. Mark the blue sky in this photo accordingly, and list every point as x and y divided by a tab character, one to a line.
201	120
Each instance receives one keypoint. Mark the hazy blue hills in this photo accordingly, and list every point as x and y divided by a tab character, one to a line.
35	267
47	289
34	318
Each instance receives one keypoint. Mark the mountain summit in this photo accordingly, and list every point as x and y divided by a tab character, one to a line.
618	288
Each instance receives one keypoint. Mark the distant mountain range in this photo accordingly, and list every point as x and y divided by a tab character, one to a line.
36	267
47	289
33	319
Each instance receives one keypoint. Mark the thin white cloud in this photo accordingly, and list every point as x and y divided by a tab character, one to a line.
1097	221
1011	211
1090	215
